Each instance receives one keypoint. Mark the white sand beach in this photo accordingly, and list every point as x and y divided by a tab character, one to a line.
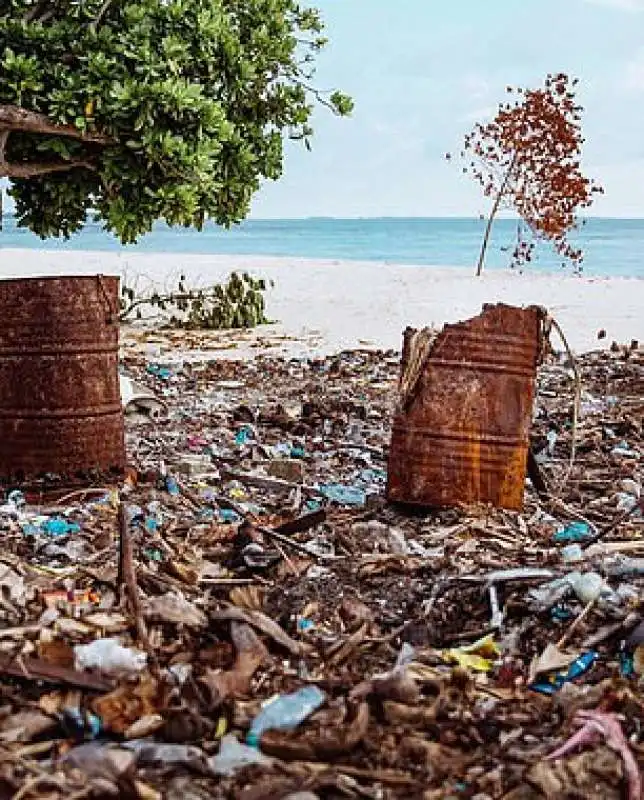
325	306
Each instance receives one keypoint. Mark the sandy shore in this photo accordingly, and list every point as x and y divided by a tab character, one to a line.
325	306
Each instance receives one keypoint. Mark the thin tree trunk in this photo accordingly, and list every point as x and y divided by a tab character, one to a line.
493	213
488	231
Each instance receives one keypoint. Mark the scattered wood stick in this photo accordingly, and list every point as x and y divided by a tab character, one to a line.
302	523
127	582
34	669
263	623
386	776
272	534
270	484
568	634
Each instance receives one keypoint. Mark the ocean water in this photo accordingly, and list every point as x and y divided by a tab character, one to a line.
611	246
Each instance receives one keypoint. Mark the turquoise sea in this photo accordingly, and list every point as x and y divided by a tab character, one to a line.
612	246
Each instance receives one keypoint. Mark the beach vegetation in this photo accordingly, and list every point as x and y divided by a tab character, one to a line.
237	303
528	160
133	111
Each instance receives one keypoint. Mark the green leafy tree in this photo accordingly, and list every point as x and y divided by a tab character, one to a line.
145	110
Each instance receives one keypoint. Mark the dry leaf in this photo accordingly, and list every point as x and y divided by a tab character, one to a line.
173	607
251	654
250	597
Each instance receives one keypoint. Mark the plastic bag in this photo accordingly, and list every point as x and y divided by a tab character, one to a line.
110	657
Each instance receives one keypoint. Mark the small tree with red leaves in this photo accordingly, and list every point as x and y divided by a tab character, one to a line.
528	159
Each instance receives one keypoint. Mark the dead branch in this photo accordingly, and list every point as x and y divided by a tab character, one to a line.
152	300
127	581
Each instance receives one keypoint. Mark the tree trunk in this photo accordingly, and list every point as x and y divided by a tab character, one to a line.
488	231
493	213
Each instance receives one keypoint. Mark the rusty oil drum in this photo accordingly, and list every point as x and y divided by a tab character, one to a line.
60	407
463	436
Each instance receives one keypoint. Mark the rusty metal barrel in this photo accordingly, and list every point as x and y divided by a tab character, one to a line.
461	431
60	407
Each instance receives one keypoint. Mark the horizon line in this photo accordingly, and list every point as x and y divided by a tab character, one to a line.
381	217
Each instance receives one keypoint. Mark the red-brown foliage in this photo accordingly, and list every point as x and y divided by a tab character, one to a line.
528	159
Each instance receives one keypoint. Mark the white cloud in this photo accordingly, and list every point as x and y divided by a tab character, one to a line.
622	5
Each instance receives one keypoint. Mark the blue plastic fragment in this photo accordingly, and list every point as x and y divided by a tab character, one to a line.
575	532
285	713
151	525
60	527
560	614
159	372
626	665
172	486
81	724
344	495
554	682
227	515
243	436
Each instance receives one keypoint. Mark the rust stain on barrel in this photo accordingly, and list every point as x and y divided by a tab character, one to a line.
463	436
60	407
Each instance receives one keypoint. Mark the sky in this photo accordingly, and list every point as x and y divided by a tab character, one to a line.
422	72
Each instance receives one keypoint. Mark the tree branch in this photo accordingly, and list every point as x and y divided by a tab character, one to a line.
32	14
34	170
101	13
4	136
15	118
318	94
171	297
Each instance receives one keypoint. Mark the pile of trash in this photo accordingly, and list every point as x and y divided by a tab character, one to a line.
246	617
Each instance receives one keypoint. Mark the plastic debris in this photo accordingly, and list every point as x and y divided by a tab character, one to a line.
172	486
81	725
479	656
555	681
110	657
56	526
247	587
344	495
572	553
136	398
595	725
285	712
233	756
587	586
575	532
